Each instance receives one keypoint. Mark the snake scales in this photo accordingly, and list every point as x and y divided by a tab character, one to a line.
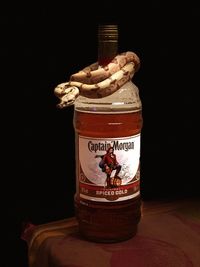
95	81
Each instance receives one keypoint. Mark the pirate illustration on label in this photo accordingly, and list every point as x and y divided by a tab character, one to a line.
109	164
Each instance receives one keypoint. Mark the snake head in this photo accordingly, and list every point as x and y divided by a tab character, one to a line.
69	96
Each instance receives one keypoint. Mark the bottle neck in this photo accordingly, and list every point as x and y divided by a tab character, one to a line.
106	52
107	43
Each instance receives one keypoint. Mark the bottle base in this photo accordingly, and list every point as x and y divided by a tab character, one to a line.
111	223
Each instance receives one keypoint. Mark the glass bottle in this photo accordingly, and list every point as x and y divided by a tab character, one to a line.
107	199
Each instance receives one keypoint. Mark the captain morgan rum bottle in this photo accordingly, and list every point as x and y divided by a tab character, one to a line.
108	131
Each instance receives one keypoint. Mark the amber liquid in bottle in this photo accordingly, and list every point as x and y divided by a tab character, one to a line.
114	118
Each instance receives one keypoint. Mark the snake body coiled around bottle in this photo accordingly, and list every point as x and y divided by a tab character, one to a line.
96	81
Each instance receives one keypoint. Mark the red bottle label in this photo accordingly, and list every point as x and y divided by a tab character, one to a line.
109	170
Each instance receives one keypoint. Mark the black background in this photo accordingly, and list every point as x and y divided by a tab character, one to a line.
42	45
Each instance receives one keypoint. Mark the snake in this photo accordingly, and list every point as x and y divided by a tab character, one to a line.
96	81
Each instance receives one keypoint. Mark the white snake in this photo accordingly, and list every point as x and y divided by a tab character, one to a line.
95	81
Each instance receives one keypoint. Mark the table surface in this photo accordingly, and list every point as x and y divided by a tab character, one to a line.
168	236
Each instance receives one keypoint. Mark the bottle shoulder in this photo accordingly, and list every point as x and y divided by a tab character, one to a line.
126	99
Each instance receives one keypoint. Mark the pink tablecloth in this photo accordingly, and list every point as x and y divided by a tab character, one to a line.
168	236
